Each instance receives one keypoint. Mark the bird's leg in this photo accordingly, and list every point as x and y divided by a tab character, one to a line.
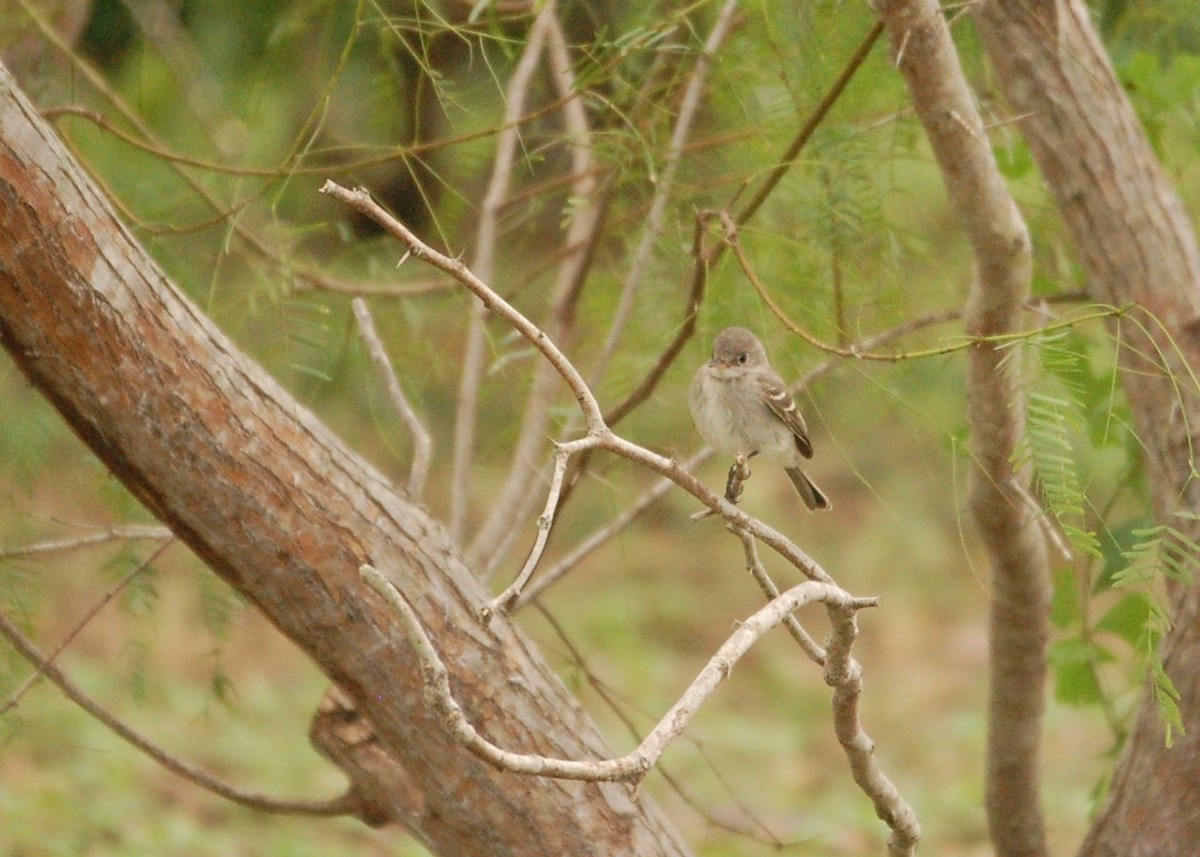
738	474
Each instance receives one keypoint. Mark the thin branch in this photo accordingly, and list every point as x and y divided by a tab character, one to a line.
754	565
545	522
664	186
755	830
87	617
587	208
344	805
361	201
634	766
814	121
128	532
422	443
483	261
601	536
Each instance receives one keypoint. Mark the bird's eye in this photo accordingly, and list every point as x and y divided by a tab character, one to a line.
743	357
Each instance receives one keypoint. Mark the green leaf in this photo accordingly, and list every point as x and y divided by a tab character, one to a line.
1127	618
1074	661
1065	609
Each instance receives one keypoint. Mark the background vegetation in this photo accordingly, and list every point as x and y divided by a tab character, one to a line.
221	122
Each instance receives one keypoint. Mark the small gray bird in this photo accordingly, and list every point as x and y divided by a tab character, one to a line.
741	407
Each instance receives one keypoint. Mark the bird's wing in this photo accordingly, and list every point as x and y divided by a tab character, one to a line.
782	405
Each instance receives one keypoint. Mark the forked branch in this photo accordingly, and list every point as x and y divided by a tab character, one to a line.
841	672
633	766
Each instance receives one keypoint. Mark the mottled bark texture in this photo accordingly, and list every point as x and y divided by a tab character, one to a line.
1137	246
286	513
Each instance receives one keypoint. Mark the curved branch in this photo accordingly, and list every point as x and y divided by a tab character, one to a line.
344	805
87	617
361	201
633	766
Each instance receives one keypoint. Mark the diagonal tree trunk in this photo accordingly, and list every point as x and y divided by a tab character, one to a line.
1138	246
285	513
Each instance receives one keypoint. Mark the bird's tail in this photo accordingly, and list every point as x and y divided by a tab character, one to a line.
814	498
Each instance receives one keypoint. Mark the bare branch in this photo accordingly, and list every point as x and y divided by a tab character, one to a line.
586	216
601	536
665	185
422	443
545	522
754	565
361	201
483	262
87	617
634	766
344	805
127	532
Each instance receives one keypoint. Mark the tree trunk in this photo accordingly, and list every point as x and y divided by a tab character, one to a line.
285	513
924	53
1137	245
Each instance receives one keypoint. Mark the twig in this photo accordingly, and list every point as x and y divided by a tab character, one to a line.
634	766
601	536
361	201
344	805
814	121
422	443
755	830
735	482
121	533
664	186
487	232
87	617
583	230
545	522
754	565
